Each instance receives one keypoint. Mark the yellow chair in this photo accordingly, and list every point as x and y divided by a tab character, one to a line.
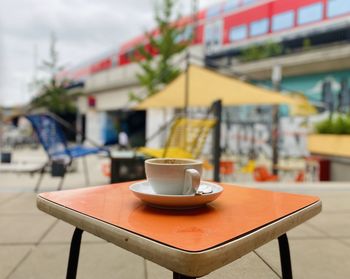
186	139
249	167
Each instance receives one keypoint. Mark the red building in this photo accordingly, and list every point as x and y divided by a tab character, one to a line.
225	29
221	34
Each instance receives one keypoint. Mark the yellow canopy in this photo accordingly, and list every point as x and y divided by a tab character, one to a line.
206	86
304	107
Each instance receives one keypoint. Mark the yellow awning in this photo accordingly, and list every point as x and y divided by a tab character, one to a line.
206	86
303	108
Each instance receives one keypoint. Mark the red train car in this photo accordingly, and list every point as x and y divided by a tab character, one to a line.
236	24
234	27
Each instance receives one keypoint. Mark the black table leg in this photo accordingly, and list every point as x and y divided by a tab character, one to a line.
180	276
74	254
285	257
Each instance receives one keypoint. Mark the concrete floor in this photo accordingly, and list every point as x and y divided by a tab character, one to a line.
35	245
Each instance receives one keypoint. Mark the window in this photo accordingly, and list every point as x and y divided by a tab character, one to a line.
214	11
283	21
238	33
337	7
231	5
310	13
208	34
259	27
188	32
213	34
185	35
248	1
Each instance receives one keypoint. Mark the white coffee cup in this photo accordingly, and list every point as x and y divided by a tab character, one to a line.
171	176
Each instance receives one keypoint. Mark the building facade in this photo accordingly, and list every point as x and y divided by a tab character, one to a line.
309	39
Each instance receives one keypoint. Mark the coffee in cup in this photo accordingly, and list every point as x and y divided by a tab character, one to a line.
171	176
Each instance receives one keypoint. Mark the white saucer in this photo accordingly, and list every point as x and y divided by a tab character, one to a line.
144	192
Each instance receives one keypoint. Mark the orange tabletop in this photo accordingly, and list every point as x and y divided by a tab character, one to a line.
236	213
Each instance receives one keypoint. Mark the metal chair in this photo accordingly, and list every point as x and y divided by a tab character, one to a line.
262	174
50	134
186	139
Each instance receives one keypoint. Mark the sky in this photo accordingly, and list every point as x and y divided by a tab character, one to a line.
84	29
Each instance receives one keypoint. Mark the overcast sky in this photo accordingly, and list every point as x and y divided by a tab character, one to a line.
84	29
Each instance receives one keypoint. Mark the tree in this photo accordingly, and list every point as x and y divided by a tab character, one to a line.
172	39
52	96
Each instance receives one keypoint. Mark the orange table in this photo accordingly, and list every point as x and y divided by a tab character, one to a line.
191	243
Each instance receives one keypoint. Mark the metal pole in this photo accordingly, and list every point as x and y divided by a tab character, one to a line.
217	105
187	93
79	128
276	80
194	15
1	134
187	81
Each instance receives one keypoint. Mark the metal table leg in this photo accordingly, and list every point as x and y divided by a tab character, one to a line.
285	257
180	276
74	254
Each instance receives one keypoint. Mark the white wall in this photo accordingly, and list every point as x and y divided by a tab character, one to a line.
94	124
155	119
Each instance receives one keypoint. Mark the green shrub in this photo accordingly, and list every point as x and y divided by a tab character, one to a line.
257	52
335	125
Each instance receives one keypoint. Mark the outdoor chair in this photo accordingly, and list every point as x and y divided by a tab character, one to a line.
262	174
186	139
48	128
300	177
227	169
249	167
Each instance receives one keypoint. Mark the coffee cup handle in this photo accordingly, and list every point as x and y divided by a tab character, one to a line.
192	181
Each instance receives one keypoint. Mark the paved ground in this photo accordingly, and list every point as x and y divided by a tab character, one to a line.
35	245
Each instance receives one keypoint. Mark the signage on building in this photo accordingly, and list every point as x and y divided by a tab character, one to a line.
245	138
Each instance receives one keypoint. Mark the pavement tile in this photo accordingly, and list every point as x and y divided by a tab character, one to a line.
249	266
305	231
314	258
23	204
11	182
24	228
6	197
10	257
62	233
346	241
156	271
14	182
336	201
333	224
96	261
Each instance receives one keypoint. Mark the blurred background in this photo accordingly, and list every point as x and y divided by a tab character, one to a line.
86	62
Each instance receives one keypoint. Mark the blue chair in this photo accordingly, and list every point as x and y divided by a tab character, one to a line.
48	128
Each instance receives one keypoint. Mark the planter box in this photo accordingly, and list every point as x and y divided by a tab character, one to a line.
336	150
330	145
